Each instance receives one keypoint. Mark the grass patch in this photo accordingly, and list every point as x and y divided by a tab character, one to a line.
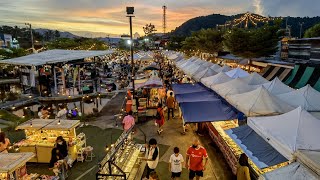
98	139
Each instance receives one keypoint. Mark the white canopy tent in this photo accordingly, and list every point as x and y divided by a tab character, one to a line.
216	79
224	68
235	86
289	132
254	79
294	171
259	102
306	97
311	159
276	87
215	67
54	56
205	73
202	68
237	73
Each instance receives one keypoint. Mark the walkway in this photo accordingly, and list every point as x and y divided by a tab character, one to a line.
171	137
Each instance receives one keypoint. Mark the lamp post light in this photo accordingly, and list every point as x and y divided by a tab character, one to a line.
130	11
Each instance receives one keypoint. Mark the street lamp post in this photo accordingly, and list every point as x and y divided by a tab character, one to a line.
301	24
130	11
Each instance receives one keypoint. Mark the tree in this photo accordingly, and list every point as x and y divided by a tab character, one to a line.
175	43
149	29
56	34
314	31
205	40
254	43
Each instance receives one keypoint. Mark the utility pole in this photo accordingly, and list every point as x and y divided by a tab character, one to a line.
301	24
130	11
30	28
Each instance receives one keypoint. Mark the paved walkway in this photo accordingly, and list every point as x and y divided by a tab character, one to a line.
170	138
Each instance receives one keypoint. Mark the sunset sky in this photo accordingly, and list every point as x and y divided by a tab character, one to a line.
85	17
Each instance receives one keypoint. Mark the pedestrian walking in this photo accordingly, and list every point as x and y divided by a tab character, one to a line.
170	105
198	160
128	121
175	164
243	168
153	176
160	118
153	156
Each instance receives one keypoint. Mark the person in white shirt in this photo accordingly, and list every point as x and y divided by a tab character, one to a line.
62	113
153	156
175	164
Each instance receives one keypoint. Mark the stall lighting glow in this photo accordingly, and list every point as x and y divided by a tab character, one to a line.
59	122
13	108
25	107
30	96
69	96
23	116
129	42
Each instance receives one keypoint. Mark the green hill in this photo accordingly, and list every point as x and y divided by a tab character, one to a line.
211	21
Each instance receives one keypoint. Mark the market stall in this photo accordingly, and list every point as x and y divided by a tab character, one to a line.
122	160
13	167
42	133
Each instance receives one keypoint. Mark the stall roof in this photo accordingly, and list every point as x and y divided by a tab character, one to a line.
187	88
54	56
206	111
196	96
289	132
215	79
294	171
276	87
49	124
259	102
237	73
256	148
9	162
254	79
235	86
311	159
306	97
224	68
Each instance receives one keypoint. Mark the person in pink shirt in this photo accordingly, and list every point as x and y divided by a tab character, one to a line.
128	121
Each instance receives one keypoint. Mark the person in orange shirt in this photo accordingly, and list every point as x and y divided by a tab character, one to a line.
170	105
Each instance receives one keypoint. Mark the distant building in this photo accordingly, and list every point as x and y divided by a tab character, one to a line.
125	36
304	50
5	41
136	35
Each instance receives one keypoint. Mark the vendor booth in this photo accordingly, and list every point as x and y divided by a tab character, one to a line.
13	166
123	160
41	135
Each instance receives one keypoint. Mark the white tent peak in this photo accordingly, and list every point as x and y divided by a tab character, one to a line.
215	67
254	79
259	102
289	132
235	86
276	87
224	68
237	72
216	79
306	97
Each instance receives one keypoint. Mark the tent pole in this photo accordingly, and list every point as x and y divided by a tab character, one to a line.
54	78
40	88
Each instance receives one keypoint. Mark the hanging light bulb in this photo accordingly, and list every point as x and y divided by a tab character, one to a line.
59	122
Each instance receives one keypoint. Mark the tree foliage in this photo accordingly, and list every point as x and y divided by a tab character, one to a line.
253	43
205	40
313	31
77	44
175	43
12	53
149	29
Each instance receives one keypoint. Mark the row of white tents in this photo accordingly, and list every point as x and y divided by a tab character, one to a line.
282	116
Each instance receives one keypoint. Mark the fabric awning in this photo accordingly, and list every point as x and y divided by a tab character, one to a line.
196	97
206	111
54	56
256	148
187	88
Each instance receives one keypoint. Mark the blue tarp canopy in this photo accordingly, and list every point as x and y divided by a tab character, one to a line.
255	147
206	111
187	88
196	96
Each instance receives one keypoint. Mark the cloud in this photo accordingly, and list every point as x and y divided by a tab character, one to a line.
109	16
